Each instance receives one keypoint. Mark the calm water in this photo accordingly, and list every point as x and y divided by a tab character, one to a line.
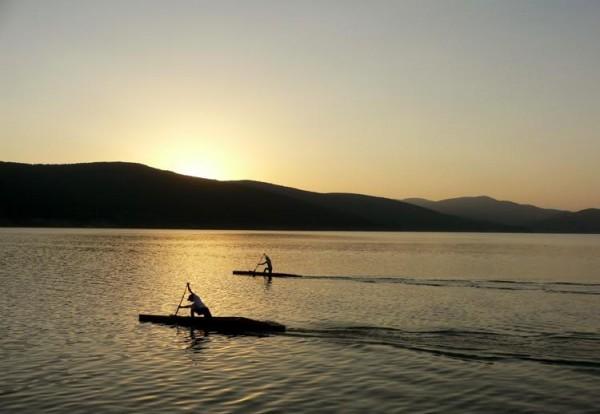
386	322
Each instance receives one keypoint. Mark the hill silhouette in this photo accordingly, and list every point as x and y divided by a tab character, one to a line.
381	212
118	194
488	209
584	221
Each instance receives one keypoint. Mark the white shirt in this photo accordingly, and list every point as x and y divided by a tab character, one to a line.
198	304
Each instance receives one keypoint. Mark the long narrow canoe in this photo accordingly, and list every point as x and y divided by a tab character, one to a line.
253	273
227	324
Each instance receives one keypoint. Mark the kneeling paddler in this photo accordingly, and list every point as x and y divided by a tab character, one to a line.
197	305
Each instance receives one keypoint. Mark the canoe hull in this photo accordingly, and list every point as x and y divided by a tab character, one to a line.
253	273
231	324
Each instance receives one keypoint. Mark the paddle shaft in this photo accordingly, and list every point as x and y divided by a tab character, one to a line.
258	264
182	296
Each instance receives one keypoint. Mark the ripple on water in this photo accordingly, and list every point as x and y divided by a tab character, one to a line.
447	339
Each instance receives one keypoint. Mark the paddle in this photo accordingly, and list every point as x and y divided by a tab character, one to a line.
182	296
256	267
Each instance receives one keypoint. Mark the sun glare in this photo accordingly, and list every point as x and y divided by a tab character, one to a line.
198	170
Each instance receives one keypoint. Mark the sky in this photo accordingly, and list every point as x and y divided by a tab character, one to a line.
432	99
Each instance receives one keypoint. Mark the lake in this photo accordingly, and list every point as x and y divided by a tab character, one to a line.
381	322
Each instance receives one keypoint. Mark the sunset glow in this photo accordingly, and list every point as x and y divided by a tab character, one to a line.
395	99
197	170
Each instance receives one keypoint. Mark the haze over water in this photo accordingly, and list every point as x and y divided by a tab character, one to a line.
382	322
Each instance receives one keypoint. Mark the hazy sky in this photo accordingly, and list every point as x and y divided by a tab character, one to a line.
393	98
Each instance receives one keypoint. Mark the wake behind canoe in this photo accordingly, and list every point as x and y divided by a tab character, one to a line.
227	324
253	273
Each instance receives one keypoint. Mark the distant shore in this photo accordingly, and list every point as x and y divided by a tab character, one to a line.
108	227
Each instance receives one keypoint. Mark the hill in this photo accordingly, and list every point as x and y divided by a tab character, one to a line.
584	221
485	208
117	194
381	212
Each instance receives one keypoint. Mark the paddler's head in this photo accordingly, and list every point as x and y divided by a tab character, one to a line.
191	298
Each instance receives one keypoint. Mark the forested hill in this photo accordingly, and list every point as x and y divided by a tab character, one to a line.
485	208
118	194
584	221
526	216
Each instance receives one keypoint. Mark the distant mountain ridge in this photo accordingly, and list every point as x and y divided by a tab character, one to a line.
488	209
118	194
584	221
532	218
381	211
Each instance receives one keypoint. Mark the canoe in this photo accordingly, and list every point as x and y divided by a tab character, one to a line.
227	324
253	273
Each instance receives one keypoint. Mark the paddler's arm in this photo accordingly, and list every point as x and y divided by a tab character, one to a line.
189	288
265	262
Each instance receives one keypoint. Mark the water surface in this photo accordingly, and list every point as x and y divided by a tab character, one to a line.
381	322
